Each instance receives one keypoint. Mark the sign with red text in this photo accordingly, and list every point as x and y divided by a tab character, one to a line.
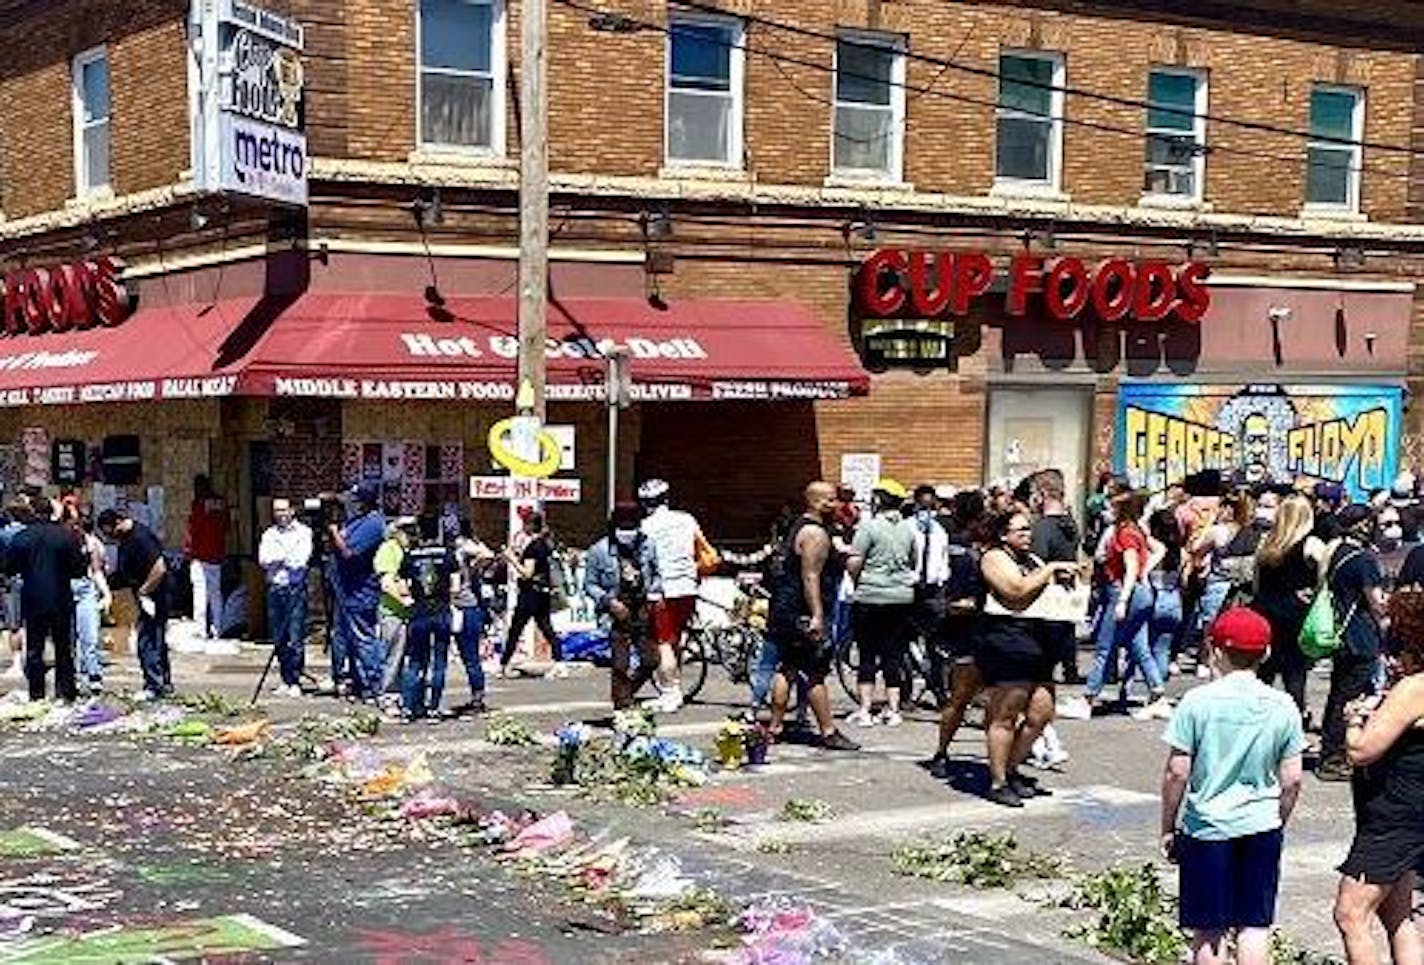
61	298
900	283
520	488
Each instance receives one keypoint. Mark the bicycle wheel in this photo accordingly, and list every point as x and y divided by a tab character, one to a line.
847	667
915	685
698	651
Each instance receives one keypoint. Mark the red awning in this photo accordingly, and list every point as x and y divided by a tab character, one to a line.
381	346
398	347
158	353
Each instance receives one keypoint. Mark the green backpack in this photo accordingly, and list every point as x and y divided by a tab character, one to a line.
1321	634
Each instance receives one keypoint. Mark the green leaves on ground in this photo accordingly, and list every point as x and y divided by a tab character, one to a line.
506	731
1285	951
1136	919
211	704
977	859
805	810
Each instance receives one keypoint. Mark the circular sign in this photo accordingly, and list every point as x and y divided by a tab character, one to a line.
550	452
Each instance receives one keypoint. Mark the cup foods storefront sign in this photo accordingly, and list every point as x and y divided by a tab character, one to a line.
251	102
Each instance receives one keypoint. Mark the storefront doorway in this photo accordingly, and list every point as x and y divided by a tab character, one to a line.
1032	428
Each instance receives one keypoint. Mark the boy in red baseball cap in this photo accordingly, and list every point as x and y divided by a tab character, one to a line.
1232	778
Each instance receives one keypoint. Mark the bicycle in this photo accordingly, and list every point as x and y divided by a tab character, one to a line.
735	646
918	672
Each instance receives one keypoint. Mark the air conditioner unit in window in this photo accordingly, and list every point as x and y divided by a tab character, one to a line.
1178	150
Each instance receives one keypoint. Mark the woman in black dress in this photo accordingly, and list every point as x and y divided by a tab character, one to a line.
1287	572
1386	747
1015	665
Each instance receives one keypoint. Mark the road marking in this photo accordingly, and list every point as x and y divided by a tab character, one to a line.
951	813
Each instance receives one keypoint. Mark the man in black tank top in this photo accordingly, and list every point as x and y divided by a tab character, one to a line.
803	592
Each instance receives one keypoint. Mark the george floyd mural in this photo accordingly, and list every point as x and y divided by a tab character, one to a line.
1269	433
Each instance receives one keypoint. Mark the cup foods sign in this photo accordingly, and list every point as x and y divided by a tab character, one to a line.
252	103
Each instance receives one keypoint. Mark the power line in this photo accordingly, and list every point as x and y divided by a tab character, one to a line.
989	73
627	23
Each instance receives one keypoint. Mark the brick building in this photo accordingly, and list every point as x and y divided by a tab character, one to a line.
721	172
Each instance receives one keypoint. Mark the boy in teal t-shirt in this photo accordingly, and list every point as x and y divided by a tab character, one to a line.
1232	778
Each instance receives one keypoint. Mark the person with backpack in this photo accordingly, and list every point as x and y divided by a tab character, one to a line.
430	574
534	568
622	579
1287	573
1355	583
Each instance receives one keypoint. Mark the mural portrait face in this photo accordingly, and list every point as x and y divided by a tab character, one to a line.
1256	447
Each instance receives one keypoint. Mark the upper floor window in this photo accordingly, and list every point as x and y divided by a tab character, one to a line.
1029	143
1337	125
1176	133
91	121
869	107
704	91
462	74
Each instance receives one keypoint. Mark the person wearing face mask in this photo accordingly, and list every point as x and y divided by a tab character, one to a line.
622	578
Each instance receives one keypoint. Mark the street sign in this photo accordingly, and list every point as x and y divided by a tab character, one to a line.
521	488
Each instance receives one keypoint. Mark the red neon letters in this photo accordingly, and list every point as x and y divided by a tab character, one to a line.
75	296
923	284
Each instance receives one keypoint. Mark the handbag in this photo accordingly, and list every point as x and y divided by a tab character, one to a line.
1058	603
706	555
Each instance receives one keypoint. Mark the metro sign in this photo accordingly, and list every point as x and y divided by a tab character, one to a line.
77	296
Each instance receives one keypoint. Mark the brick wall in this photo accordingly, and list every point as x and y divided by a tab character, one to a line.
606	95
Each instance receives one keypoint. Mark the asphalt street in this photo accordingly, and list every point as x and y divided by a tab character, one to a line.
180	840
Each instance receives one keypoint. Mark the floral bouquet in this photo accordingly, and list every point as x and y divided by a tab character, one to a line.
732	744
572	738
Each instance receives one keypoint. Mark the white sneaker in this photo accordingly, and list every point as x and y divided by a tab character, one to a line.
672	700
16	670
862	718
326	686
279	689
558	671
891	718
1075	708
145	696
1203	671
1174	669
293	691
1159	709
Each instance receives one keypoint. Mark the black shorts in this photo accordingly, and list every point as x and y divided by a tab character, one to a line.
1229	884
958	639
1018	667
798	654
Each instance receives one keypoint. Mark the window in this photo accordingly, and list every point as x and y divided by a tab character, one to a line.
462	74
1337	122
704	97
869	106
1176	133
91	121
1030	118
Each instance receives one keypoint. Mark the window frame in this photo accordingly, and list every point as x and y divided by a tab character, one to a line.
1054	182
498	75
736	86
1200	97
1354	187
83	59
894	172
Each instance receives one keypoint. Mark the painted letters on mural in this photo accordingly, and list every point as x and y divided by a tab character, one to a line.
1260	433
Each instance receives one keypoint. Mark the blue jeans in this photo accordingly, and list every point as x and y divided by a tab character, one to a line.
361	644
287	619
153	648
1129	634
1165	625
427	649
764	670
1213	596
336	636
86	628
472	630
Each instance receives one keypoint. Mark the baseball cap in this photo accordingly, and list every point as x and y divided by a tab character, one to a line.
1241	628
1353	515
366	491
891	488
1329	492
653	489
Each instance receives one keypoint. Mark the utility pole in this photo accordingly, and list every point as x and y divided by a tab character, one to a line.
533	207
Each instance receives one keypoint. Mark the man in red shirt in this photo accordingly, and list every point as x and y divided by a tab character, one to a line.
205	545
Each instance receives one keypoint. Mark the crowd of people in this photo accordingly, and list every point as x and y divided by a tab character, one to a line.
1241	586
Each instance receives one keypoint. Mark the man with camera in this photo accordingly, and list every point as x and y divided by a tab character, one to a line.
354	548
621	576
